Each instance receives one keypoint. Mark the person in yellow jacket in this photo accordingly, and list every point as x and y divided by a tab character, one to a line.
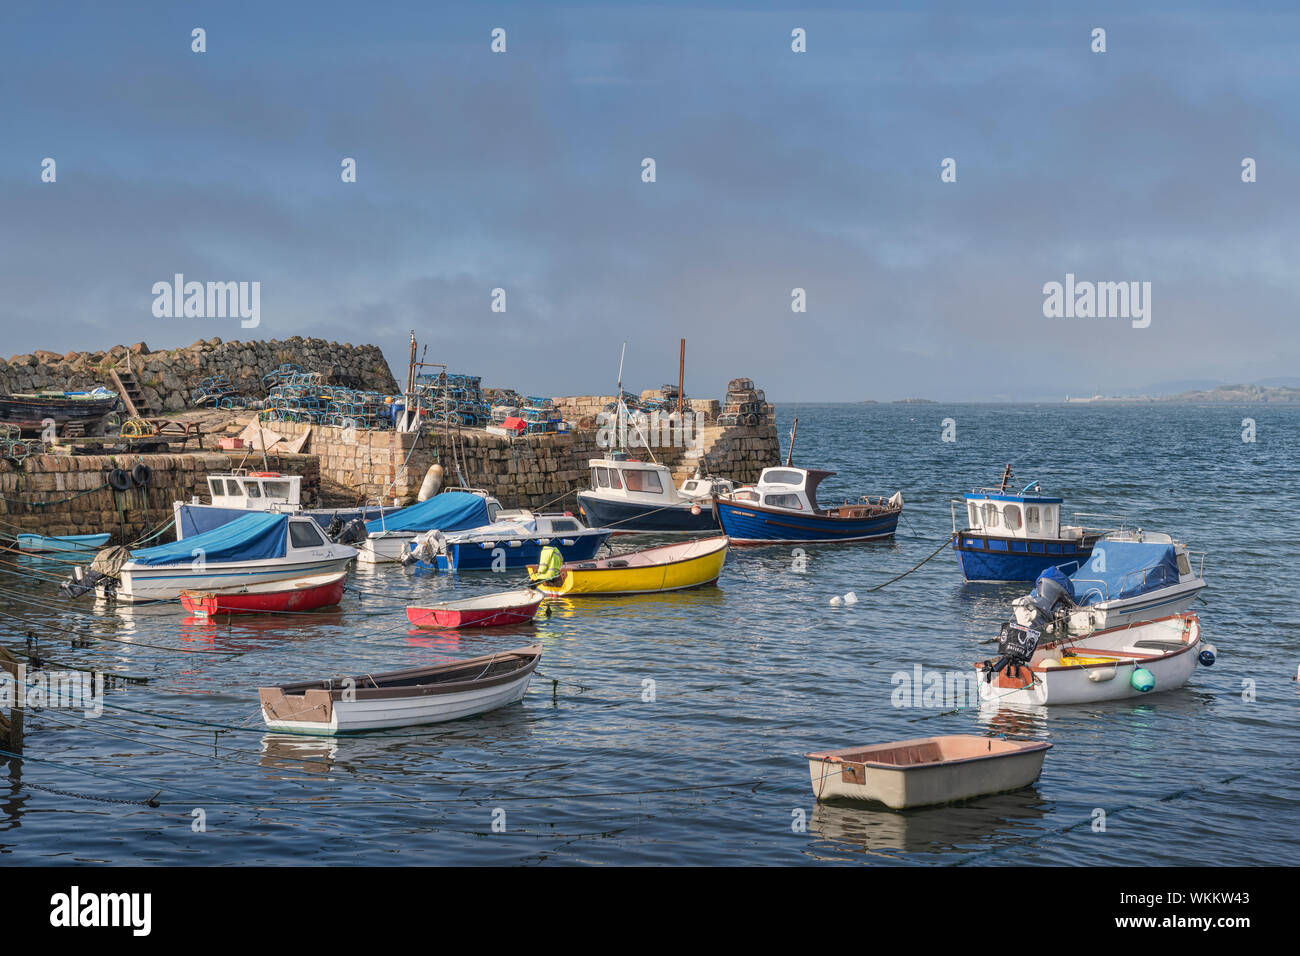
549	563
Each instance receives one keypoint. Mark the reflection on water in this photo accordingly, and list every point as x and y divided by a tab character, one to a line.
863	829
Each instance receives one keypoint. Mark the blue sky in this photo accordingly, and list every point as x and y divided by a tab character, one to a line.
775	170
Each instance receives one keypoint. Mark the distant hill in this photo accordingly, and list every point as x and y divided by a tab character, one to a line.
1225	394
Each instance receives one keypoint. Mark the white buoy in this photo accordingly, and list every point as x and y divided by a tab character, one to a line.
850	598
432	482
837	601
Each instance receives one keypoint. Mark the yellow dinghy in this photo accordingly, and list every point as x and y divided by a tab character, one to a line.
673	567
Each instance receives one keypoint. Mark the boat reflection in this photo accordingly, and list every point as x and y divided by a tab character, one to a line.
860	829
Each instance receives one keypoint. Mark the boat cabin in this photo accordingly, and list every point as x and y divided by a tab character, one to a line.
792	489
1013	515
628	480
256	491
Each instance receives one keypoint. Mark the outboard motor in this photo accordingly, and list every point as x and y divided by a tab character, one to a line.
335	526
1052	590
351	533
103	572
1016	645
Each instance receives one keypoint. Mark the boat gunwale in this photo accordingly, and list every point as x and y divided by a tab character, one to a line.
526	657
1021	747
722	540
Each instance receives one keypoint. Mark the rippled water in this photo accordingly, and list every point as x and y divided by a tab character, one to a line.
746	678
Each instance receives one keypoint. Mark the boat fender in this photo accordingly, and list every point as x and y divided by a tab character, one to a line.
432	482
142	474
1209	654
119	480
1142	680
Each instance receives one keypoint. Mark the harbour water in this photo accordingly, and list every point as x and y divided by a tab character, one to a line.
670	729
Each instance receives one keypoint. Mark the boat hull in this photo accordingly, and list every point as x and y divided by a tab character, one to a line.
39	543
1123	612
620	516
907	776
984	557
270	599
1095	682
334	708
749	524
384	547
165	583
517	552
453	617
673	576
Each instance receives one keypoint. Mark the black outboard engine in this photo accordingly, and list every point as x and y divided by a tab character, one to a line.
1051	591
1016	645
336	525
352	532
84	581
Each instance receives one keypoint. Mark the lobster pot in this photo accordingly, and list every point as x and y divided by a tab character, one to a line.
740	384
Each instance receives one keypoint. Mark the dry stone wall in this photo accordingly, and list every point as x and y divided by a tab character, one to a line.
167	377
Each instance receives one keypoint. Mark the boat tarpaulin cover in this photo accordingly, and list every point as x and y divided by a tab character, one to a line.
251	537
449	511
1119	569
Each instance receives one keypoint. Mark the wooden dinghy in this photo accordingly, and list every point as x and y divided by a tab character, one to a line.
672	567
276	597
42	543
927	770
489	610
1106	665
420	695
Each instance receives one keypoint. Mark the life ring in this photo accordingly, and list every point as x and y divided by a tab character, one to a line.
142	474
119	480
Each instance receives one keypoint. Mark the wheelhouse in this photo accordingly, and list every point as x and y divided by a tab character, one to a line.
631	480
256	491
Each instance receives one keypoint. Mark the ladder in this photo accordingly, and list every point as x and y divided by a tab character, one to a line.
132	395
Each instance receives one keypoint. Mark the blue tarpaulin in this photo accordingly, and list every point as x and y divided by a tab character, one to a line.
251	537
450	511
1120	569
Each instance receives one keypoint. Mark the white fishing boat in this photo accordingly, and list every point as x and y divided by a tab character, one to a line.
254	549
236	493
421	695
1132	576
1112	664
926	771
389	537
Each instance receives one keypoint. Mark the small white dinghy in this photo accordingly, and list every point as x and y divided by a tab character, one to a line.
1106	665
420	695
926	771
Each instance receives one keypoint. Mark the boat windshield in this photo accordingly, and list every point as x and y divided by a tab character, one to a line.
638	480
778	476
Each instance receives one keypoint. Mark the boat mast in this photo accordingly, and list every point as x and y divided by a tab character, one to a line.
793	431
1006	477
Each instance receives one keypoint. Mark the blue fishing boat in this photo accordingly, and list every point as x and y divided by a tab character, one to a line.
515	540
40	543
1016	536
782	509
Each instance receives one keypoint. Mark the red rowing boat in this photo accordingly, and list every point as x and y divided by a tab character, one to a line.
490	610
305	594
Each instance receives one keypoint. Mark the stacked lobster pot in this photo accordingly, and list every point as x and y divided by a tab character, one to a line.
454	399
541	416
745	405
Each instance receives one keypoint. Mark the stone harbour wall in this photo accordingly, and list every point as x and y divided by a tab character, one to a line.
167	377
533	471
69	494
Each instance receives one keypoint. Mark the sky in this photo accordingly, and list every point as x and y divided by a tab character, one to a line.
774	171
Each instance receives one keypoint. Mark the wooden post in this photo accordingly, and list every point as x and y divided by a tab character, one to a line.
13	727
681	380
